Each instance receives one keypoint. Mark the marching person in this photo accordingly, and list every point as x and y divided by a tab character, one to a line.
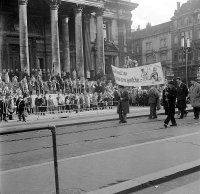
182	92
153	98
123	104
170	97
195	98
21	108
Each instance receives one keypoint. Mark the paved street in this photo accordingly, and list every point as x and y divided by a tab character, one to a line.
96	155
187	184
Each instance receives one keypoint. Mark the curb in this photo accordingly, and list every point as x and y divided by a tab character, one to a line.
150	180
85	121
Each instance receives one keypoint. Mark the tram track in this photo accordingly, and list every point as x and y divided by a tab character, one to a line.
87	140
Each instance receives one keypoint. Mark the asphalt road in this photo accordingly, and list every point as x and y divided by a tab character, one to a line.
35	148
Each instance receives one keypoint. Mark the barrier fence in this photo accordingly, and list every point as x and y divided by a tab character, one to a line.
52	128
69	108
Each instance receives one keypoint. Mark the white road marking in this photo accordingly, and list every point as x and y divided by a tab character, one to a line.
98	153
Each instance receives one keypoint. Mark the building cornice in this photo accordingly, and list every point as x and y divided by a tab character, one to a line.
93	3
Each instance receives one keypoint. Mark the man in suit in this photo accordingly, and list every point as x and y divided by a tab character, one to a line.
182	92
123	104
170	97
21	108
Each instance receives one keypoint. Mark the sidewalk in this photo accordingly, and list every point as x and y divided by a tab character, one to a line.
65	119
110	171
62	119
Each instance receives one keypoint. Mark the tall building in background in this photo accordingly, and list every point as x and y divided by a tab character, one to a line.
153	44
64	35
186	29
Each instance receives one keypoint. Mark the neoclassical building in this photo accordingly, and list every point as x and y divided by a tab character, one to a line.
64	35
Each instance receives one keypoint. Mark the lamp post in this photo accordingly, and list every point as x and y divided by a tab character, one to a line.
185	45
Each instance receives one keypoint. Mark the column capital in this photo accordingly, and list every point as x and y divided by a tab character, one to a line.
54	4
99	12
87	16
78	9
22	2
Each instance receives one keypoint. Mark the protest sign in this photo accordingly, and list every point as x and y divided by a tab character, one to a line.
139	76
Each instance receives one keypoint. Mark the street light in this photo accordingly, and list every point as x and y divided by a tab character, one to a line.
186	48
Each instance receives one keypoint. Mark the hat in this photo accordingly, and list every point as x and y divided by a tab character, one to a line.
121	86
171	82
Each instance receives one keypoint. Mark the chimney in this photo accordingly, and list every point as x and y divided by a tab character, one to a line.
178	6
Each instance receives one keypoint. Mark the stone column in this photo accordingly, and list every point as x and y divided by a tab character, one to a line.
100	42
87	44
66	48
23	36
79	42
55	46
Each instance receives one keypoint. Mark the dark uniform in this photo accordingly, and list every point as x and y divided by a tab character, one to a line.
182	92
170	97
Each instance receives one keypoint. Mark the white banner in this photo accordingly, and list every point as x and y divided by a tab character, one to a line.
139	76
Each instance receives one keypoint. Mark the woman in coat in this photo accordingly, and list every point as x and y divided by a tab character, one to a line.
195	98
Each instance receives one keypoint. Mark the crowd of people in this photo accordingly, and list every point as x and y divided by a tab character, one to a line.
75	94
72	94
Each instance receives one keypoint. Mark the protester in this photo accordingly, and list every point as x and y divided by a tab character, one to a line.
194	94
153	100
21	108
170	97
182	93
123	104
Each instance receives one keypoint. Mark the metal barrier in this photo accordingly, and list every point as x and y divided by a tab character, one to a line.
53	131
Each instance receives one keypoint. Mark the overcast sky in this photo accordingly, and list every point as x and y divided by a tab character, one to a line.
153	11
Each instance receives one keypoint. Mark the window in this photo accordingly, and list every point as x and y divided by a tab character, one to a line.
163	42
175	24
148	45
137	49
125	35
176	57
163	57
198	18
186	21
190	35
198	34
176	39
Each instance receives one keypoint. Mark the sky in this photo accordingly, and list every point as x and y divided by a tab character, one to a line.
153	11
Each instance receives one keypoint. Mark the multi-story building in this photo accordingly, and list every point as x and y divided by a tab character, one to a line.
64	35
153	44
186	26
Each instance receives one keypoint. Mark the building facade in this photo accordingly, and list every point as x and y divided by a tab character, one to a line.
64	35
153	44
162	43
186	25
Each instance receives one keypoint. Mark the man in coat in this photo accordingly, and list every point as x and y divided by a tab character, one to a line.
182	92
123	104
170	97
153	99
21	108
195	98
3	109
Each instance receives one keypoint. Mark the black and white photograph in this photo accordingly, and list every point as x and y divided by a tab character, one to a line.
99	96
